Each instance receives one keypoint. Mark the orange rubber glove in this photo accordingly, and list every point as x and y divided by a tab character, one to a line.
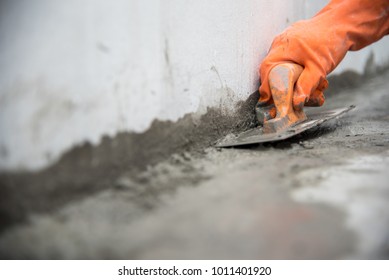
320	43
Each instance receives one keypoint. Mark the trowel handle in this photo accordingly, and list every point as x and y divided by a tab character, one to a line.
282	79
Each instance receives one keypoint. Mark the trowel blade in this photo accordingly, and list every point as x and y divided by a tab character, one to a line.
256	135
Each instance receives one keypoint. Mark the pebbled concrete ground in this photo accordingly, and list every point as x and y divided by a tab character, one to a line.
320	195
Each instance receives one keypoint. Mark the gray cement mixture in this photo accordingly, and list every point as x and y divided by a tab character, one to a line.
320	195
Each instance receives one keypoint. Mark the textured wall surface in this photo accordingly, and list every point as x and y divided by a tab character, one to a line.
73	71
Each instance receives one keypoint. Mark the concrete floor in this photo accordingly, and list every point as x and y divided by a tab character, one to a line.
321	195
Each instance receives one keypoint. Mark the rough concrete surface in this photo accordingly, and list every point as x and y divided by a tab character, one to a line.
320	195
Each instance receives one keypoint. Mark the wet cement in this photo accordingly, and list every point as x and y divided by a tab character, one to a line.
88	169
321	195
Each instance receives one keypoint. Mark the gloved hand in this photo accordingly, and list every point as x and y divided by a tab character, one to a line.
320	43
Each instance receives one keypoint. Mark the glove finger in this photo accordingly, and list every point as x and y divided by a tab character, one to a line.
264	93
323	85
317	96
265	96
316	99
306	84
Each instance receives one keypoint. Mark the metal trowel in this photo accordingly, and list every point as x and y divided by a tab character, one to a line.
280	121
256	135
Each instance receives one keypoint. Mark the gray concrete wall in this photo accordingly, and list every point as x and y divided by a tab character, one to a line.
73	71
